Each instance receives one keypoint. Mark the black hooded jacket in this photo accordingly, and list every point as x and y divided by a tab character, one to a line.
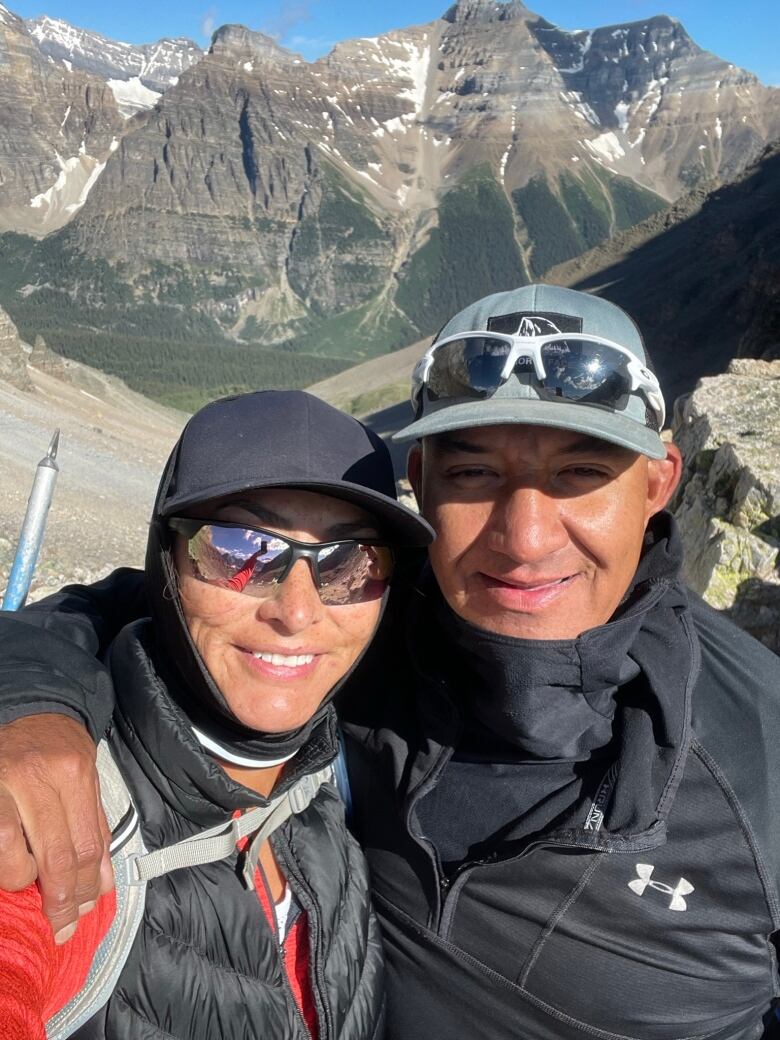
635	891
205	962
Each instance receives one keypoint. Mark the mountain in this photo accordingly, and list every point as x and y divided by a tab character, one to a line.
702	280
272	220
59	127
137	75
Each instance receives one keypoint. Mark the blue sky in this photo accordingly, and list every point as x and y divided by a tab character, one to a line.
746	33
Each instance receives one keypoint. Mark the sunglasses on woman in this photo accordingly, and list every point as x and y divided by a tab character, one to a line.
252	560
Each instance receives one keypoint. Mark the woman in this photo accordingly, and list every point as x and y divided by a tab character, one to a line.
270	551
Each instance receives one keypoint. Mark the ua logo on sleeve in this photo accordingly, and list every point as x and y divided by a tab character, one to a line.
644	880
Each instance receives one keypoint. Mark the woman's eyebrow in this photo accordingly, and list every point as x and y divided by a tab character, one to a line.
352	529
343	529
261	513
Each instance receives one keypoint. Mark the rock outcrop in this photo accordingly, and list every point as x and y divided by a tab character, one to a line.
728	505
13	355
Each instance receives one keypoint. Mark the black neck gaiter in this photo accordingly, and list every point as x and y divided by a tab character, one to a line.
541	721
552	699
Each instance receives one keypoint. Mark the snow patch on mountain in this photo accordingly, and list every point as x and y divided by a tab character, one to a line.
416	70
77	176
132	96
606	147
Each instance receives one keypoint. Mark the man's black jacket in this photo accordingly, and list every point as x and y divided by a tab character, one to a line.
658	933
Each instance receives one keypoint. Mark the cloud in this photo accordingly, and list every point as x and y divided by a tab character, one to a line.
208	23
288	15
311	46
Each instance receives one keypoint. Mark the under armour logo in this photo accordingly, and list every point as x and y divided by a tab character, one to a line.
644	880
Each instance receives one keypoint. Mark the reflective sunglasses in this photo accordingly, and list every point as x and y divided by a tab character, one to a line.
571	367
253	560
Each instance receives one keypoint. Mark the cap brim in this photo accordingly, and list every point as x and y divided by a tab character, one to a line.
399	524
561	415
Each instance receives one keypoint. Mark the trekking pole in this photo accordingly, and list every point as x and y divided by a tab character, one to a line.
33	526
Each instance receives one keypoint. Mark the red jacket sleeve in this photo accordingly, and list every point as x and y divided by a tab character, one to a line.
37	977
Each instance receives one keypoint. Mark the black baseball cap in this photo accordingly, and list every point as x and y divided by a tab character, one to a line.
285	438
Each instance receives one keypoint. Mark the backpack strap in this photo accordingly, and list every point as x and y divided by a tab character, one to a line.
220	841
114	950
134	867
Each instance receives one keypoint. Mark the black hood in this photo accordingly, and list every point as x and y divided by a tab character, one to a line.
264	439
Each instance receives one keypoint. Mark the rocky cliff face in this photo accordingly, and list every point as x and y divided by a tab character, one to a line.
13	356
702	280
347	206
728	506
672	114
58	129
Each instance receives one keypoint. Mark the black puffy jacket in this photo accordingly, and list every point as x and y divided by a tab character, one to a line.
206	962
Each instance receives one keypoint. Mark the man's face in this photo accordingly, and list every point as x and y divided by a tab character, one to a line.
539	531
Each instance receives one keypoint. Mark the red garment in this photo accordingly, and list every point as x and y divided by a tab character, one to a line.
37	977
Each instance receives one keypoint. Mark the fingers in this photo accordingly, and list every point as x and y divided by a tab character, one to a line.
47	765
17	866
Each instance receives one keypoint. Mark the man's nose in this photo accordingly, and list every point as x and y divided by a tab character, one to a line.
527	525
294	604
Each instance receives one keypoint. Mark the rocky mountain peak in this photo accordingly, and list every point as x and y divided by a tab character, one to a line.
485	11
155	66
237	39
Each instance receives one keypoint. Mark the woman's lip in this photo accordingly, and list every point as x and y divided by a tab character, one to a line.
526	596
284	670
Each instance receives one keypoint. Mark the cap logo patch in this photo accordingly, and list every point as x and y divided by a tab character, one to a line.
534	323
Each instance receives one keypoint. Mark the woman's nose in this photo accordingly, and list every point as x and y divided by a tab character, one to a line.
295	602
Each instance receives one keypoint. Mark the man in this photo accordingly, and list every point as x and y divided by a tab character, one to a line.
562	764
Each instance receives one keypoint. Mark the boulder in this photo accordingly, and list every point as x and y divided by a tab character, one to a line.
728	504
13	355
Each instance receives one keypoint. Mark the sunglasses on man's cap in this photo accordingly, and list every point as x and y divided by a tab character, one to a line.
571	367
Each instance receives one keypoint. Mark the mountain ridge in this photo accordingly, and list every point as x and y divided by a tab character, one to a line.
341	208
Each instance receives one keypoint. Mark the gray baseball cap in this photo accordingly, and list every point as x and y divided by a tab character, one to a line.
542	310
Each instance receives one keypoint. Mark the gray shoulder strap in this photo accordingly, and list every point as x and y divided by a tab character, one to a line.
115	948
134	867
219	842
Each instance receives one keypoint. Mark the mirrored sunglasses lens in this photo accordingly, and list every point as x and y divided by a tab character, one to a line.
353	573
468	367
238	558
579	370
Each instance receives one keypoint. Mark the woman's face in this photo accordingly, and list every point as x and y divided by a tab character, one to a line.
275	658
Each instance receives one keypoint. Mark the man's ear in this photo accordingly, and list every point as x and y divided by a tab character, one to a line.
414	471
663	478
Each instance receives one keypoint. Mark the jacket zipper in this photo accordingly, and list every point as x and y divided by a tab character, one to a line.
450	888
280	948
304	894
